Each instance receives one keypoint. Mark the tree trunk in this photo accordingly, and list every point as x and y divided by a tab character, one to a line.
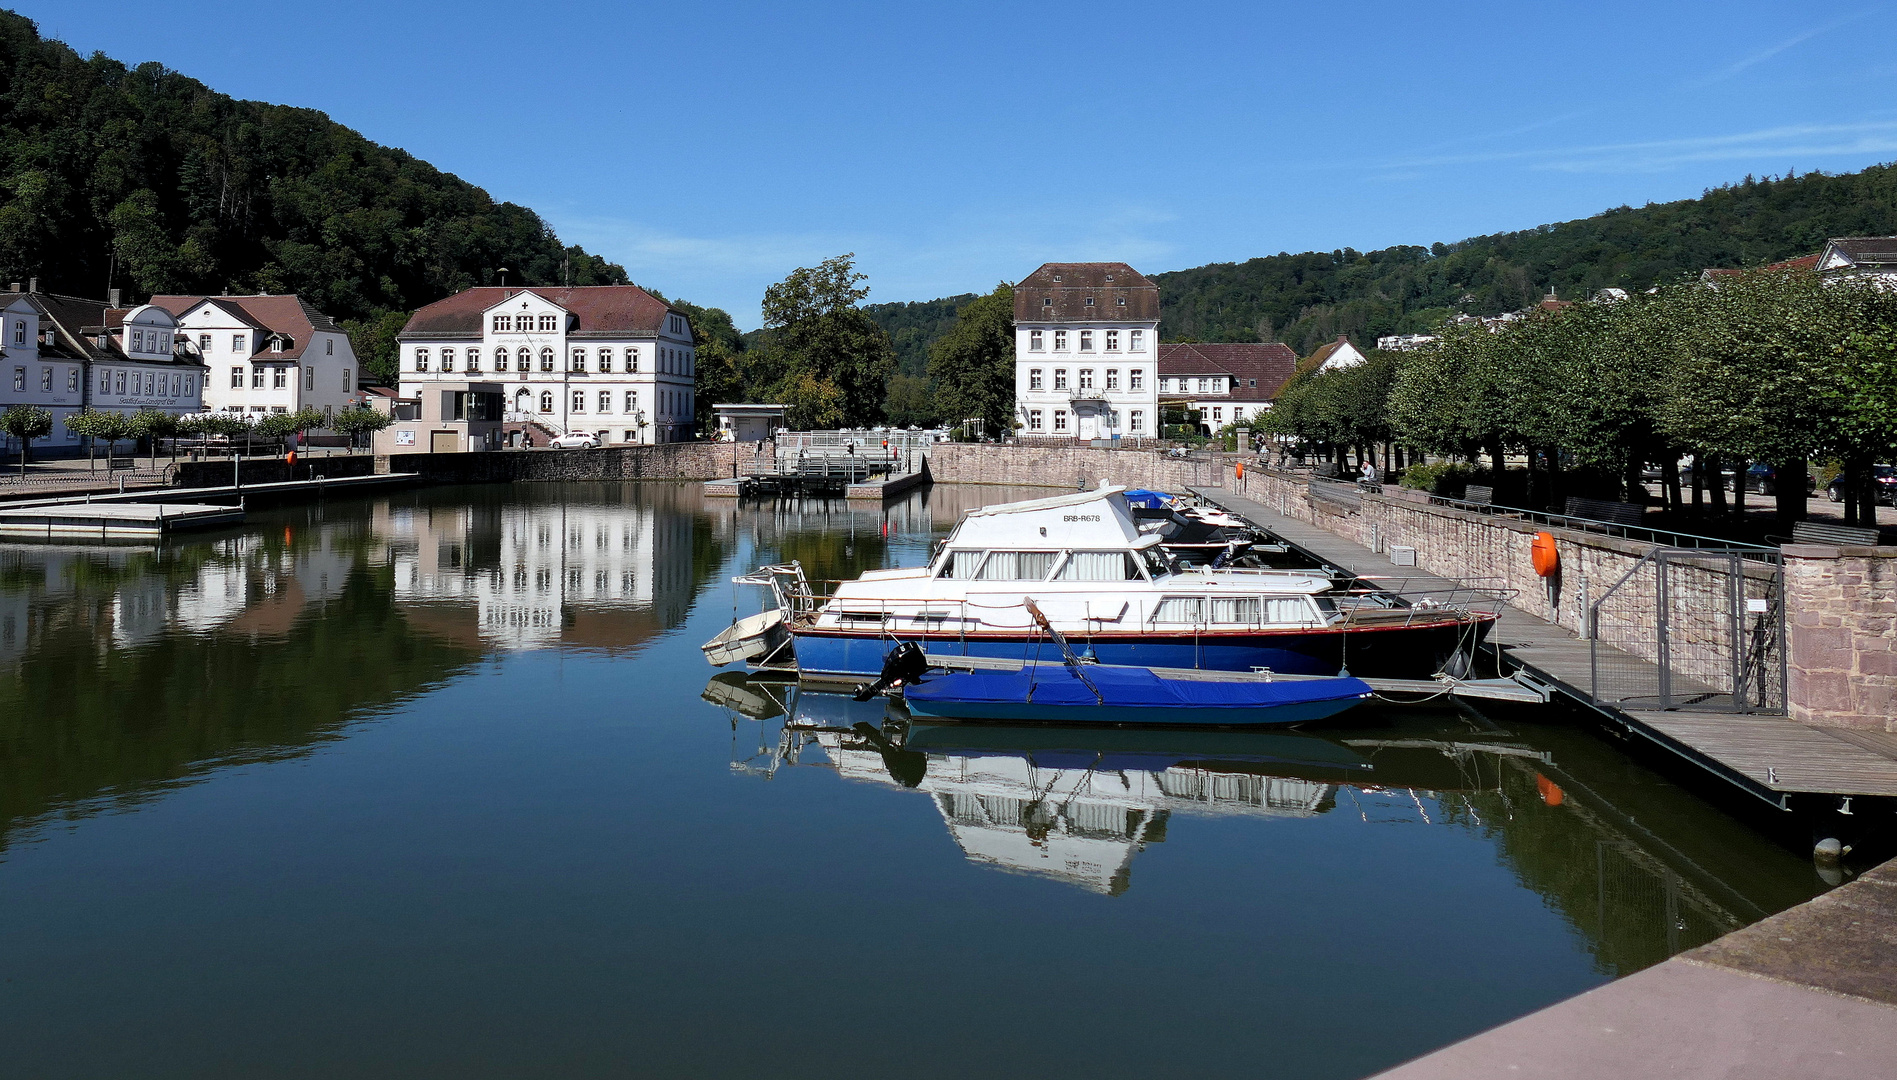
1699	482
1739	471
1790	490
1670	481
1715	477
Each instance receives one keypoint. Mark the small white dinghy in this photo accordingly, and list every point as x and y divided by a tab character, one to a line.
753	637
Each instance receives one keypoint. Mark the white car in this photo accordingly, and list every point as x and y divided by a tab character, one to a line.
575	440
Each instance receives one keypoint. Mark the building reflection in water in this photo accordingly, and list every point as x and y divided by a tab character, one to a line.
1077	806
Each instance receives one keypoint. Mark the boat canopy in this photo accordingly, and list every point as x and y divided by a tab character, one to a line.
1097	519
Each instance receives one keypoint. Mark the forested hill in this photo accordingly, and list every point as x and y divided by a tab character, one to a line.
1308	299
149	181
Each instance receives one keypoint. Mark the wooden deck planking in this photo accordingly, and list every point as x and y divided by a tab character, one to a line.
1767	754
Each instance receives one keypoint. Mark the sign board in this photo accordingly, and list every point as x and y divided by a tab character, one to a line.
405	438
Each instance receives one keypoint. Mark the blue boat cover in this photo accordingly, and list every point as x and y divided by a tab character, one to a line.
1151	500
1132	687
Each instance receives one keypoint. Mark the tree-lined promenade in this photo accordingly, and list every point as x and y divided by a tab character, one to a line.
1782	367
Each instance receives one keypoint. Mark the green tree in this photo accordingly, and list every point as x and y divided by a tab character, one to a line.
358	421
110	426
26	423
826	340
152	425
911	402
373	341
972	367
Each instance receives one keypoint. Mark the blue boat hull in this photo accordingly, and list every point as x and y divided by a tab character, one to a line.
1094	694
1396	652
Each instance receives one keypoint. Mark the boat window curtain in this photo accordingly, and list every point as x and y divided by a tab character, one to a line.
961	564
1237	611
1288	611
1017	566
1177	609
1097	566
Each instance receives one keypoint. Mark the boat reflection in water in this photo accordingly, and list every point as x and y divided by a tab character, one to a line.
1077	804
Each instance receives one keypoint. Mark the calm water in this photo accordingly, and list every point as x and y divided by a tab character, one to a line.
440	785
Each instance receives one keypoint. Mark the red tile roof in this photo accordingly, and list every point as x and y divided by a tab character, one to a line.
286	315
1059	292
602	311
1258	370
1803	262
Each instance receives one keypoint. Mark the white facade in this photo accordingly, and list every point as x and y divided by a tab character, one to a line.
144	374
252	368
630	385
29	377
1086	360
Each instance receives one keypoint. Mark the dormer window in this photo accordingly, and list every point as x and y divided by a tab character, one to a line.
1047	301
1109	277
1121	301
19	332
1056	277
138	341
1089	301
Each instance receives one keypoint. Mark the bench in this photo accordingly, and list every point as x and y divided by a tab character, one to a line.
1479	494
1619	513
118	464
1819	532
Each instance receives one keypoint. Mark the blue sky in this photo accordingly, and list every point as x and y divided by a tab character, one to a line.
712	147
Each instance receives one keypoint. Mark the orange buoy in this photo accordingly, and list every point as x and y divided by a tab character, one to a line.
1547	559
1551	792
290	457
1241	470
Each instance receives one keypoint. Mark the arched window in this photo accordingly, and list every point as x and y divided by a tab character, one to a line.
474	359
500	358
546	359
632	361
546	401
605	360
447	359
526	360
579	401
421	359
579	360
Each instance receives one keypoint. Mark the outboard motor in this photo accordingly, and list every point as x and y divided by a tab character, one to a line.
905	664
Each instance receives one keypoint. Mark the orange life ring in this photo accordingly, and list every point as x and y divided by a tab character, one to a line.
1547	560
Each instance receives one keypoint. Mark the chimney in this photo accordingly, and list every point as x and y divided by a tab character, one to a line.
112	299
33	285
16	286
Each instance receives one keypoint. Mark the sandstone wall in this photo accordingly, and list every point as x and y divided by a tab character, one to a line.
665	461
215	473
1841	607
1065	467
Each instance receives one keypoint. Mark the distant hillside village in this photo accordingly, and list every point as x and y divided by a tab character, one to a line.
514	367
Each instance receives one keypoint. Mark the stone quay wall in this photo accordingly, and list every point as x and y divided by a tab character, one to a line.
663	461
1841	626
1068	467
216	473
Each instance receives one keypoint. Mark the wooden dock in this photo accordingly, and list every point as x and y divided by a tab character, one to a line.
112	521
1772	757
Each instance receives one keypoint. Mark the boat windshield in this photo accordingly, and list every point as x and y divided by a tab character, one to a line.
1158	563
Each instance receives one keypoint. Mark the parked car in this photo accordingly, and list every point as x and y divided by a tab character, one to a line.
1763	479
575	440
1885	477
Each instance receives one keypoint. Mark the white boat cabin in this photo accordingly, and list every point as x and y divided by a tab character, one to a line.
1084	560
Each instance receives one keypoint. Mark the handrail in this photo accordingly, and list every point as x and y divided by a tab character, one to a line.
1662	537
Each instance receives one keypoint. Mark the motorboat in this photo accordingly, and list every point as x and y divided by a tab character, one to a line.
1115	593
1062	693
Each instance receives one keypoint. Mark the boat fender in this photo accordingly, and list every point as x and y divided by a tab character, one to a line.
905	664
1546	559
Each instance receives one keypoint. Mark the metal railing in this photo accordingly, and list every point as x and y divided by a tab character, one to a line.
1642	533
1691	628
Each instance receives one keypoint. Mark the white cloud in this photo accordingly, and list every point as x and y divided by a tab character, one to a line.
1786	143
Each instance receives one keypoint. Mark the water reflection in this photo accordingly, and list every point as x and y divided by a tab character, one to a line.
1078	806
124	669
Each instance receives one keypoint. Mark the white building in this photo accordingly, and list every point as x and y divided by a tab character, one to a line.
1227	382
267	354
1086	352
1334	356
66	354
611	359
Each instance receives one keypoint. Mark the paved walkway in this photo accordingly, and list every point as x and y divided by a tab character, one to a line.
1808	993
1769	756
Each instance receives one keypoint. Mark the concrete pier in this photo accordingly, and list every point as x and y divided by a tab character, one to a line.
1810	993
112	521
